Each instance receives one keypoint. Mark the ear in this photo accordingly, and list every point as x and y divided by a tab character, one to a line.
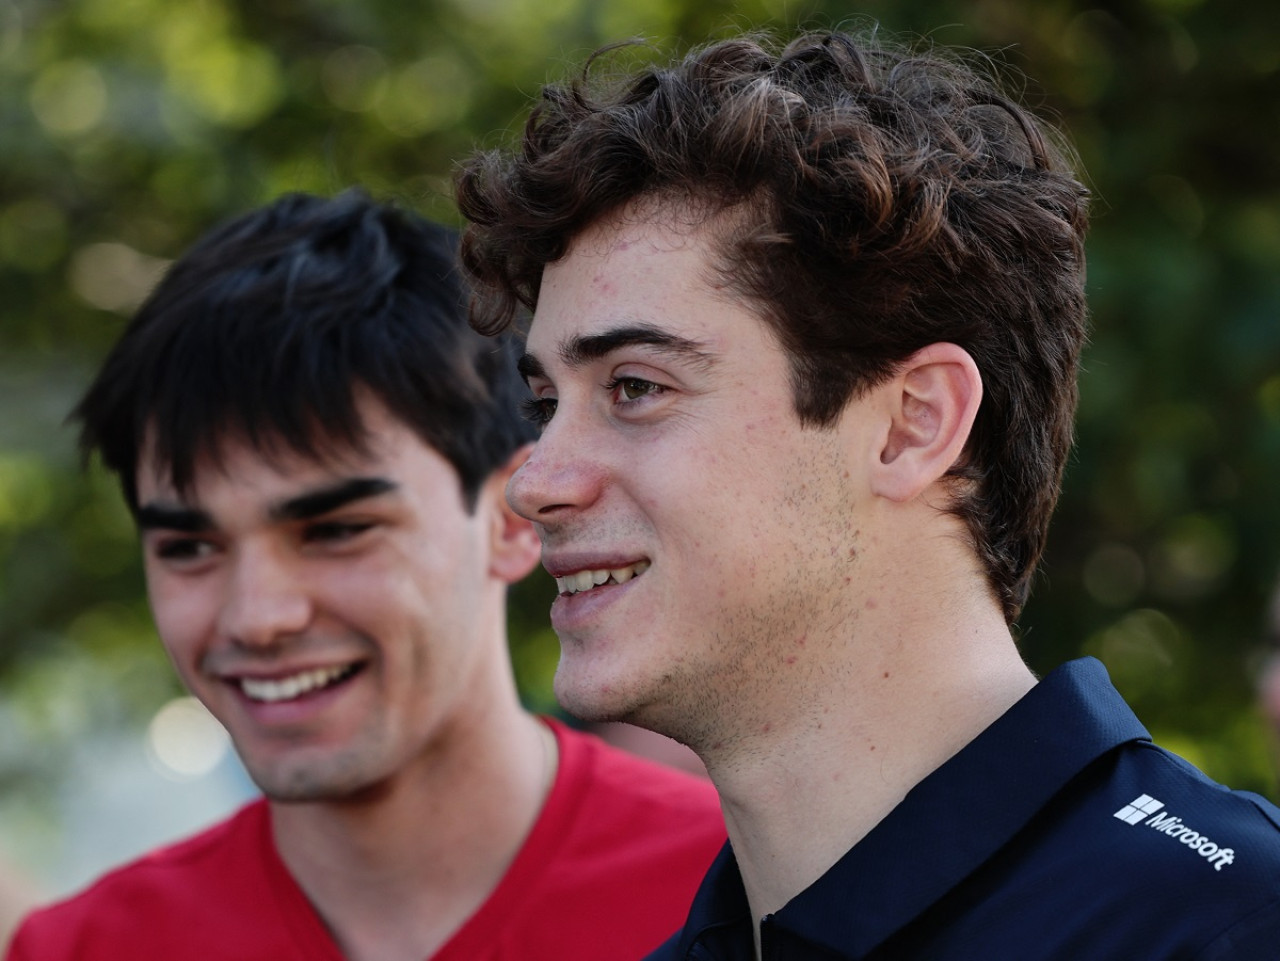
932	402
514	545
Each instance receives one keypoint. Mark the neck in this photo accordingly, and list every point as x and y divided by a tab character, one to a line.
395	872
840	747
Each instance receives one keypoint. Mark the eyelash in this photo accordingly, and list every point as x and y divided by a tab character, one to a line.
183	549
540	410
650	387
190	550
336	530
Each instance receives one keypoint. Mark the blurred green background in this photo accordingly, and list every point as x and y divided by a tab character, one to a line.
128	127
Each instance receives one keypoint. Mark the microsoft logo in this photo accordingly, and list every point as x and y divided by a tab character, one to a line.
1146	809
1138	809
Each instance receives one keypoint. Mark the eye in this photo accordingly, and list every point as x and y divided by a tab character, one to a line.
631	389
539	410
335	532
179	550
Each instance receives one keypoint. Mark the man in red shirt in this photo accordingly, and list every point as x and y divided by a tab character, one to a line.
315	447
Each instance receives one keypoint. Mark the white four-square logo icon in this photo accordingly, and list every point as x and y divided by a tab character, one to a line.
1139	809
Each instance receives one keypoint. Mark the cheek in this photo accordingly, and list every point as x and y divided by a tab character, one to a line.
184	614
405	584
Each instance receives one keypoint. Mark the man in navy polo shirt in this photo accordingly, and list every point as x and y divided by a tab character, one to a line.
804	344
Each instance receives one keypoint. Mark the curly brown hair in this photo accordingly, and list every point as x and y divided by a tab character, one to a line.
889	200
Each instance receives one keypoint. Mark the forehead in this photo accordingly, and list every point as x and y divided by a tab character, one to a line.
272	461
658	270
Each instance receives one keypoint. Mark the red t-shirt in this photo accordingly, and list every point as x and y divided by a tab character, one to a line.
608	871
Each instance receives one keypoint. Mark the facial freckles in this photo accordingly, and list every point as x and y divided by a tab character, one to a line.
338	618
671	447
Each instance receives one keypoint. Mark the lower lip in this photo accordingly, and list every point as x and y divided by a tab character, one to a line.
573	612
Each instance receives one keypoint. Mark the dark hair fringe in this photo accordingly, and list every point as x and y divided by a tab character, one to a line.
269	327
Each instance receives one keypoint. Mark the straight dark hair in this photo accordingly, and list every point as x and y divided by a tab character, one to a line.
265	330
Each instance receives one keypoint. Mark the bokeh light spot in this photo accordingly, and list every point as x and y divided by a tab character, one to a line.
185	741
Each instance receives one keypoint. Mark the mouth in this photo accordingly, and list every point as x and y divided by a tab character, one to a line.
274	690
585	580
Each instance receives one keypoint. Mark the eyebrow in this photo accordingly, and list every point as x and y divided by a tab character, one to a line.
578	351
311	504
189	520
326	499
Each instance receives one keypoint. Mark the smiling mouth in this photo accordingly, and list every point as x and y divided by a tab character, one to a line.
586	580
287	688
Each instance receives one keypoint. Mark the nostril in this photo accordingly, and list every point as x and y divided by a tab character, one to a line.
553	509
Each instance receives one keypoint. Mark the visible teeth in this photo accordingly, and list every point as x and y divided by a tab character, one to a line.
287	688
585	580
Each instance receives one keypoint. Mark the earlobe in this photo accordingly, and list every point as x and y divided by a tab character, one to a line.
514	547
932	403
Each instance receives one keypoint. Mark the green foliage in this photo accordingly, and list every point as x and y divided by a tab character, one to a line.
128	127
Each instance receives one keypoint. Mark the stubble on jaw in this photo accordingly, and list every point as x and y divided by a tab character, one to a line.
304	783
771	641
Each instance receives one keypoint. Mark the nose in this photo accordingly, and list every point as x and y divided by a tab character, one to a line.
266	598
561	475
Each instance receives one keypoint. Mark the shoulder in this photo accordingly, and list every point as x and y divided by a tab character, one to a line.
1235	833
1146	854
668	950
1139	855
614	810
188	885
603	774
614	858
1202	861
1162	824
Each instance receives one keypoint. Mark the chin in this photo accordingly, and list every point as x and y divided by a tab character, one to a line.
592	698
303	783
603	700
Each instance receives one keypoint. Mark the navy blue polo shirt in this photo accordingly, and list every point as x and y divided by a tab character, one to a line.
1061	833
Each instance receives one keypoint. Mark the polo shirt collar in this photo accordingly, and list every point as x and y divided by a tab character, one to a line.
946	826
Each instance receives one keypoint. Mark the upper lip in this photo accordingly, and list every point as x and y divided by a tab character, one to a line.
562	564
573	579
